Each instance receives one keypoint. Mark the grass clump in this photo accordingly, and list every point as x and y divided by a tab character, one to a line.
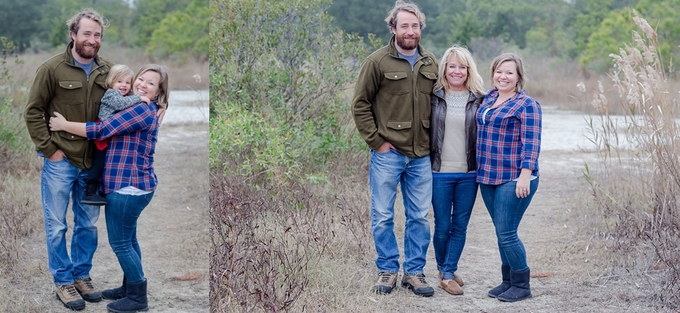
20	215
637	182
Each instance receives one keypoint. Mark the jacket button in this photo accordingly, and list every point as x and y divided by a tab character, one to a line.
71	137
398	126
70	86
395	76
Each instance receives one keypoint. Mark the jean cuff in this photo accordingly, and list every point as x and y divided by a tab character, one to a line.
448	276
63	283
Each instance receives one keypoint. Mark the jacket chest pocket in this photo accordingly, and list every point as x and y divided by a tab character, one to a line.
70	93
396	83
71	84
426	81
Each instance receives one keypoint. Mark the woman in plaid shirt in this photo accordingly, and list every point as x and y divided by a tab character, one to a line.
508	145
129	180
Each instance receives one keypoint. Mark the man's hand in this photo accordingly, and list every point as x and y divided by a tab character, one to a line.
57	122
57	156
385	147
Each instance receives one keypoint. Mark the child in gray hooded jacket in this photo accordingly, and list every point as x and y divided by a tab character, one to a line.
118	97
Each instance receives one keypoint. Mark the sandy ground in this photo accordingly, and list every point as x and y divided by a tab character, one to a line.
557	248
172	230
173	233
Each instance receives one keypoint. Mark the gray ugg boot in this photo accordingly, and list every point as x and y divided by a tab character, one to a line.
135	299
505	285
519	289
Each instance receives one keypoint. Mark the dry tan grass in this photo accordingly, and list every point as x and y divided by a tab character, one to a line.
636	187
19	219
285	251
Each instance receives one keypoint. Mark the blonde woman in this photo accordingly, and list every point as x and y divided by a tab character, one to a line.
455	99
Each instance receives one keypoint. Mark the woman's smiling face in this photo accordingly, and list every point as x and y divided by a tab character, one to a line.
456	74
147	84
505	77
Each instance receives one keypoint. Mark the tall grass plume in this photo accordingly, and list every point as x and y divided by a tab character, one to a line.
637	182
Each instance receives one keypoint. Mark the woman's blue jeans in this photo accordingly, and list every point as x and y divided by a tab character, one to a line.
387	170
122	212
60	182
453	196
506	211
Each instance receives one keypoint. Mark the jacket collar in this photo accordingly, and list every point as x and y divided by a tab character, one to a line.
438	92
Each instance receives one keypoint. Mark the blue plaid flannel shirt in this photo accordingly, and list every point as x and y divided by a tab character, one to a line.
508	138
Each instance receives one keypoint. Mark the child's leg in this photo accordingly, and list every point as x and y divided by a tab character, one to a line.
98	160
91	195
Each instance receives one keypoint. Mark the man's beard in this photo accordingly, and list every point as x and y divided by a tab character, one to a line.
80	49
401	42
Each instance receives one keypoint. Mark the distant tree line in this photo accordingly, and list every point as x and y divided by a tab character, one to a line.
583	30
162	27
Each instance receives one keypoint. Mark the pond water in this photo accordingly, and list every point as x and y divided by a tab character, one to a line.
564	130
187	107
570	131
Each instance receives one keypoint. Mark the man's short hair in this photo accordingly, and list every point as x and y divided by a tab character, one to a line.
402	6
74	22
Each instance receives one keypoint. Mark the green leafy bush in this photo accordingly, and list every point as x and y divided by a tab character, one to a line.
13	135
280	79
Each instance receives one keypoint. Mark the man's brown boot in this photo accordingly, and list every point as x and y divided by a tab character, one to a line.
68	295
87	290
418	285
386	283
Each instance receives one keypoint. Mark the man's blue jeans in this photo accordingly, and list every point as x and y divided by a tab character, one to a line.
506	211
122	212
453	196
415	176
59	181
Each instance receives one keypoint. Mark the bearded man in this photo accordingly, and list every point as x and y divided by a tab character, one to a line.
391	109
71	83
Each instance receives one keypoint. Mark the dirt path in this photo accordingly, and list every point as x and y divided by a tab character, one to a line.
557	247
172	232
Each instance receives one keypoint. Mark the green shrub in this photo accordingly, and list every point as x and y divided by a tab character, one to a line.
280	75
13	135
